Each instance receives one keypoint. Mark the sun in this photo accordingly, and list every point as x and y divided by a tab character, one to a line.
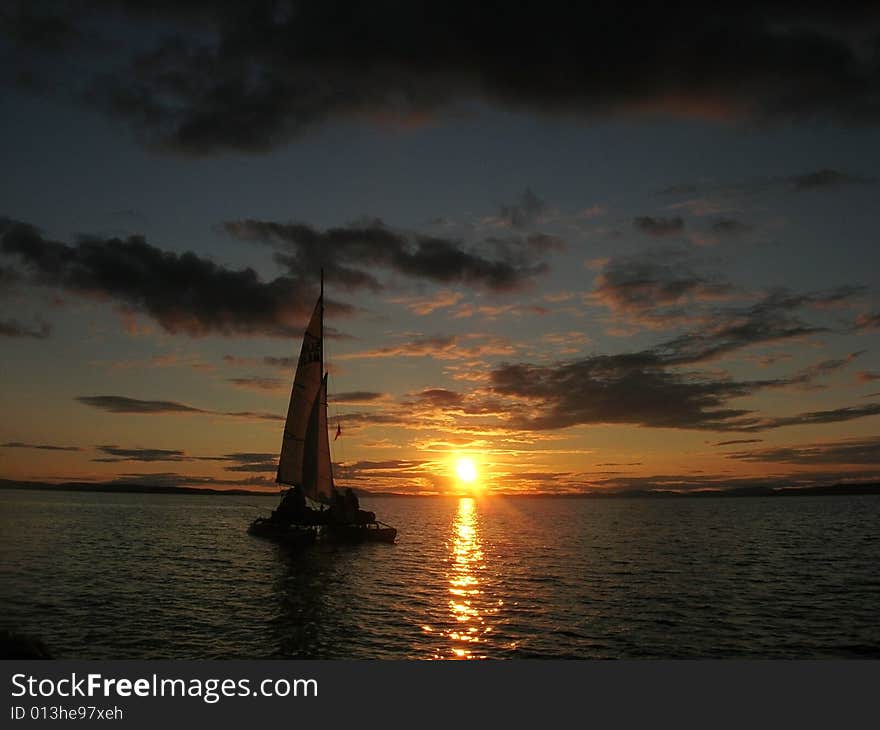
466	470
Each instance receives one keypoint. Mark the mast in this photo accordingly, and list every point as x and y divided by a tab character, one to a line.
324	440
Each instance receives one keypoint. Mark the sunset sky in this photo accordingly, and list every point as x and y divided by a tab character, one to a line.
587	248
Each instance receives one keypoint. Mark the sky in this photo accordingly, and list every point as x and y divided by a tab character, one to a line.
588	248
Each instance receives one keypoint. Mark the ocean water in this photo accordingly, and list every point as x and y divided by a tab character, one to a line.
171	576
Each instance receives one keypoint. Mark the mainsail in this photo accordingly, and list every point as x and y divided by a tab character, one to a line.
317	480
304	398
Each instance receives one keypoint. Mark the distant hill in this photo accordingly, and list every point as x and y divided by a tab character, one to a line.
122	488
752	491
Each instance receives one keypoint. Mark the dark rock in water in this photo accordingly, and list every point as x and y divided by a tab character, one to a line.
21	646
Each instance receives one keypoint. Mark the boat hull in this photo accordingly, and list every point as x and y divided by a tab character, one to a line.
361	533
287	535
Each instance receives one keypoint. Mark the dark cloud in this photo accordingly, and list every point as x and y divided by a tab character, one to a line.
729	227
236	462
525	211
123	404
649	387
866	376
862	451
654	226
656	289
41	447
115	453
438	397
833	415
248	462
739	441
184	293
774	318
827	179
14	328
632	388
218	76
350	256
8	277
823	179
808	376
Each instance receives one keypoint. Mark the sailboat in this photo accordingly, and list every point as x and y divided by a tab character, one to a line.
312	508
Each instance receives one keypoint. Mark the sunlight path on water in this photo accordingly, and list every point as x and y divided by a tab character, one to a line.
466	602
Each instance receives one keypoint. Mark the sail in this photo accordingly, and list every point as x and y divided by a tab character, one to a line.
317	483
306	386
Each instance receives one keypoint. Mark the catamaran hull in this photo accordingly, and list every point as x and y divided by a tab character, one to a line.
289	536
360	533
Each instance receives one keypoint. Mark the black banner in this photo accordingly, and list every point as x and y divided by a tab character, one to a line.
411	694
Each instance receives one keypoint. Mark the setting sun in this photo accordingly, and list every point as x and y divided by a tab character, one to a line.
466	470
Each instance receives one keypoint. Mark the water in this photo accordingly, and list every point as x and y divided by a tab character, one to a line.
170	576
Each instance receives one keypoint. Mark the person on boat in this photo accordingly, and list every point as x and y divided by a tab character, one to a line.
351	504
292	507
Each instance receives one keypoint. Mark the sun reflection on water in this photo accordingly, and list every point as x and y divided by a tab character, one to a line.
466	601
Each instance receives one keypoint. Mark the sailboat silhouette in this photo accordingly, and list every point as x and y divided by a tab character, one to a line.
312	508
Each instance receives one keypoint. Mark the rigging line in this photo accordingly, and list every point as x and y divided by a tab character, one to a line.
334	421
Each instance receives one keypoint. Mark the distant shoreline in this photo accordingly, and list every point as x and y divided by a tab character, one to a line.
843	489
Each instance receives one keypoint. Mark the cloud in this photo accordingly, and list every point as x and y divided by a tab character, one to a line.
524	212
442	347
282	363
854	451
350	256
774	318
237	462
729	227
827	179
184	293
806	378
866	376
41	447
833	415
123	404
248	462
655	289
632	388
649	388
822	179
426	305
356	396
739	441
219	76
868	321
659	226
13	328
173	479
115	454
257	383
392	469
438	398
